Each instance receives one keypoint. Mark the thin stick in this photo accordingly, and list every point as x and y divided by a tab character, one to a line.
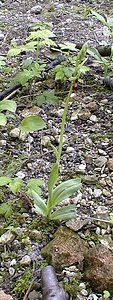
29	289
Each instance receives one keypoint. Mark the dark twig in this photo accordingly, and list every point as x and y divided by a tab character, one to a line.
10	90
50	287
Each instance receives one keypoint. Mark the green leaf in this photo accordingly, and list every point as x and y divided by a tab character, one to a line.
99	17
23	77
40	34
81	55
64	213
32	123
34	184
15	185
30	46
2	61
8	105
68	46
54	149
40	100
84	69
52	180
27	62
65	190
110	22
59	75
4	180
3	119
111	50
14	51
106	294
111	218
39	205
5	210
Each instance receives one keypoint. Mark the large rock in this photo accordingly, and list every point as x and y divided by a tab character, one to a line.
66	249
99	269
4	296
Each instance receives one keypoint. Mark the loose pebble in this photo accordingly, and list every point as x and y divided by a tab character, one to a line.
25	261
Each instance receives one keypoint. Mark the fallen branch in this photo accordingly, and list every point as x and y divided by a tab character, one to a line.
10	90
50	287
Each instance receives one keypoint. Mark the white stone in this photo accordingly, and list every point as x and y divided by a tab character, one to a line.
2	143
106	193
82	167
25	261
97	193
15	133
20	174
93	118
13	262
102	152
1	36
45	140
11	271
82	285
74	116
70	149
98	230
84	292
6	238
59	112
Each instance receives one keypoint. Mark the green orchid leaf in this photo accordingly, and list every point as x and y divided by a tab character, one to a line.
8	105
110	22
64	213
3	119
39	205
65	190
99	17
32	123
52	180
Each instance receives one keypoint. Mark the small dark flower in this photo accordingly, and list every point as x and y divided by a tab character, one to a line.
75	86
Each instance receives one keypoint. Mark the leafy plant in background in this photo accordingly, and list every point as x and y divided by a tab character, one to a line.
106	63
32	69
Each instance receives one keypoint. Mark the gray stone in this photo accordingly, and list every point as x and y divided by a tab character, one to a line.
15	133
100	161
93	118
36	9
90	179
97	193
6	238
